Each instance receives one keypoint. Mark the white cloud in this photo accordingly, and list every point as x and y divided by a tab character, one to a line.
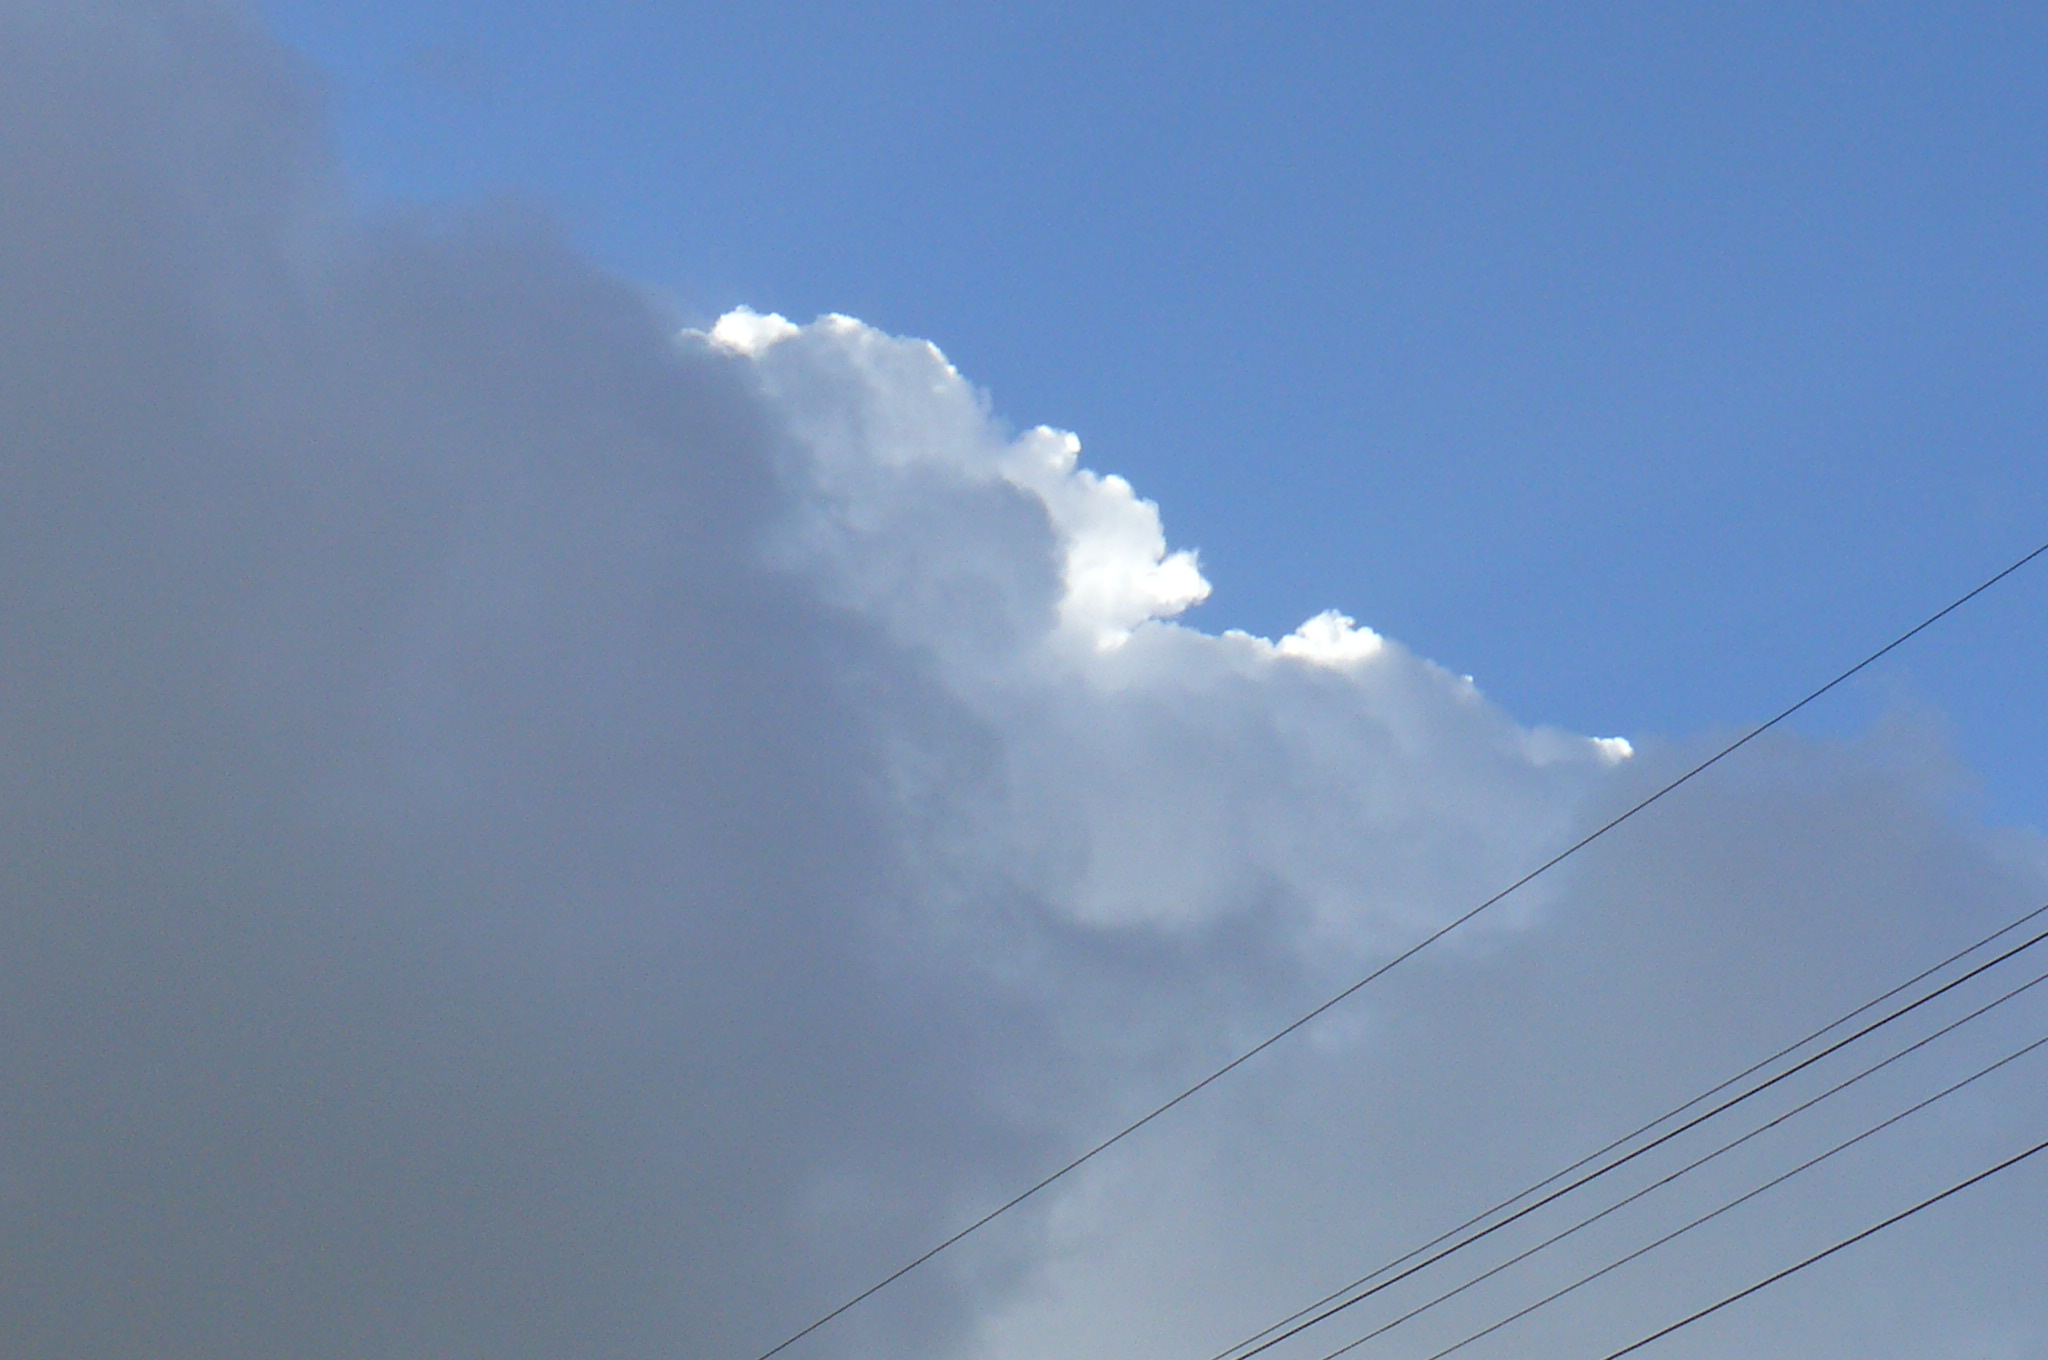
1332	639
1148	773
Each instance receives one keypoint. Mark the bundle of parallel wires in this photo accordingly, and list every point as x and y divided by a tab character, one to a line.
1976	1017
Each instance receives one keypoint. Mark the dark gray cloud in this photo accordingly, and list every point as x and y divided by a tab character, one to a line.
527	835
435	860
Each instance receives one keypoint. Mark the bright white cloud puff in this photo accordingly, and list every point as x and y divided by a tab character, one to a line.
1150	772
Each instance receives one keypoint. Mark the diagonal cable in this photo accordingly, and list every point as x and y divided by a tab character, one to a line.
1694	1165
1820	1256
1653	1144
1632	1135
1397	960
1709	1217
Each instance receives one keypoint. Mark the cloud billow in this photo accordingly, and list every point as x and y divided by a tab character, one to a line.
531	835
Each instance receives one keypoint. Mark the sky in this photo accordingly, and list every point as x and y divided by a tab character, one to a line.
589	766
1643	362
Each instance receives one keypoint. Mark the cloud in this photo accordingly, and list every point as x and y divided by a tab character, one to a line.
531	835
1146	772
1746	914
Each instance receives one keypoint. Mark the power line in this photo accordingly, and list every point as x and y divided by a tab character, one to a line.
1632	1135
1820	1256
1699	1162
1710	1216
1398	959
1650	1146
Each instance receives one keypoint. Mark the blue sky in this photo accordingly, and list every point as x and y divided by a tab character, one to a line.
1646	362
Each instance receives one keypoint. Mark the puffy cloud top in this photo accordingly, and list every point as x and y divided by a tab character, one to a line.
1149	773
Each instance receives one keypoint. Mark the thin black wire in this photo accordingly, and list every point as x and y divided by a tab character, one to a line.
1699	1162
1740	1200
1657	1142
1820	1256
1398	959
1632	1135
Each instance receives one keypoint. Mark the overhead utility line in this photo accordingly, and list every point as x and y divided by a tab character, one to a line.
1589	1177
1383	969
1820	1256
1692	1166
1629	1137
1713	1214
